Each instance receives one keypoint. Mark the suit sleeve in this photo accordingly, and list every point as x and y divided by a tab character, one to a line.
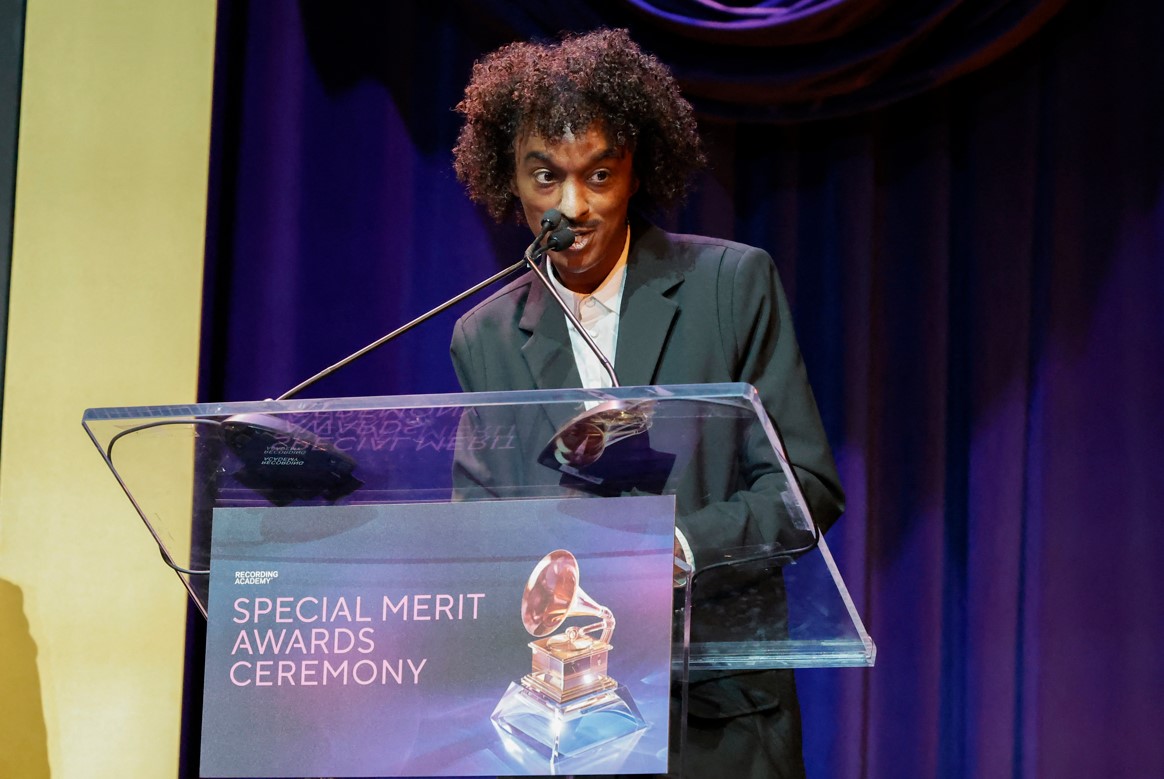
770	360
760	346
461	355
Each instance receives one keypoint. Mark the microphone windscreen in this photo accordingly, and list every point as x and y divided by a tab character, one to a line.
560	239
551	219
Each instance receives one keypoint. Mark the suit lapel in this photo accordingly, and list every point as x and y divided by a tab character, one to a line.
647	312
547	351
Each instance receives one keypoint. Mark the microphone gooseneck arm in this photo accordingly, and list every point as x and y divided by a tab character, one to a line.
560	236
402	330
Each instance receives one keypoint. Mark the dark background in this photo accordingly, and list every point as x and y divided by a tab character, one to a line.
964	202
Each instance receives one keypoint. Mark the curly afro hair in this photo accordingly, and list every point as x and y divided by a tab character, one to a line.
548	89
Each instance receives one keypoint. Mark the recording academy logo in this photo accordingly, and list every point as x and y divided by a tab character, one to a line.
255	577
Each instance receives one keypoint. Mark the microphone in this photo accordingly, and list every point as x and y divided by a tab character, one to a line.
551	225
258	438
561	236
560	239
551	220
405	328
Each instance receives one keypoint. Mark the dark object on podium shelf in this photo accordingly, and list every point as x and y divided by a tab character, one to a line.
284	462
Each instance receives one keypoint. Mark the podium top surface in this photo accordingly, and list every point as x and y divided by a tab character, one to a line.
729	395
739	505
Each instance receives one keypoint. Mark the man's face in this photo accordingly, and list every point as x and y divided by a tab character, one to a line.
591	182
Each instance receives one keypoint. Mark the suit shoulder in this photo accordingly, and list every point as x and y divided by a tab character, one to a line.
706	254
705	245
503	303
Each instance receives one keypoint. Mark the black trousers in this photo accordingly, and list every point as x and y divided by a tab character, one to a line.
740	725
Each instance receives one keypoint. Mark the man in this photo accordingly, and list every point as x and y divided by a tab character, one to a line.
597	129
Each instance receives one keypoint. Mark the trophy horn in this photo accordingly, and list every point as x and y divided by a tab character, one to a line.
552	595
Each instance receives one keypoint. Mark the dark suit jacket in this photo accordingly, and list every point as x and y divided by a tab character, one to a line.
694	310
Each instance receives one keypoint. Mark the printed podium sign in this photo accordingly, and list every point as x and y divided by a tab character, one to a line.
524	637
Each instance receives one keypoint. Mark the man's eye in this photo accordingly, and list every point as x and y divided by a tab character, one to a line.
543	177
600	176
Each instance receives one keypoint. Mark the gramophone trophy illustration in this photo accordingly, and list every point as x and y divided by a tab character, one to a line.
567	704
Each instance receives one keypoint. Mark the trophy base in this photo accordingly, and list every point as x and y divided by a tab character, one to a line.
559	731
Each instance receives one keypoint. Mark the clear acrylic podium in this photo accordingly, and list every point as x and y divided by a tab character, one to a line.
765	592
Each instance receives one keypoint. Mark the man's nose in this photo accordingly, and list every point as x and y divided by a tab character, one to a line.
573	203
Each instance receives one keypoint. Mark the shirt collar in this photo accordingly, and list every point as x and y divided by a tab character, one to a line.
608	293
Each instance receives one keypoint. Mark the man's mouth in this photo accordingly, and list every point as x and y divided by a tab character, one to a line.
581	238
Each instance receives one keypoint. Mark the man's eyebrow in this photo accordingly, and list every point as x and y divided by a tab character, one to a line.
540	156
610	152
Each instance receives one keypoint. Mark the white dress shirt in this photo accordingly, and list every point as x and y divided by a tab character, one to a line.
598	312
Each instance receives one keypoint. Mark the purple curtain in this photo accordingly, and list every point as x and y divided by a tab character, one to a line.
964	200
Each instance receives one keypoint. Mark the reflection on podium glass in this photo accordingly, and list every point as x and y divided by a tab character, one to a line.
606	450
584	438
567	705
